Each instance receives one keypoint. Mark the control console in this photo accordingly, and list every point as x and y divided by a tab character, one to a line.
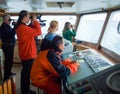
91	65
103	82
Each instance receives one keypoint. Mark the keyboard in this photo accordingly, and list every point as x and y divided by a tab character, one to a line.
95	61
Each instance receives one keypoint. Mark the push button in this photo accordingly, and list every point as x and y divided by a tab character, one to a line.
85	89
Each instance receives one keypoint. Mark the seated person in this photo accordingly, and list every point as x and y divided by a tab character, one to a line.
46	42
48	68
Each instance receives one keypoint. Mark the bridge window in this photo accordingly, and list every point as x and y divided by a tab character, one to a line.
61	20
90	26
111	38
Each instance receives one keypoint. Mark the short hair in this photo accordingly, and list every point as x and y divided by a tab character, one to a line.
57	40
6	16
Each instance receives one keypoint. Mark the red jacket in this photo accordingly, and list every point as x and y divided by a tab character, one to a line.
47	70
26	40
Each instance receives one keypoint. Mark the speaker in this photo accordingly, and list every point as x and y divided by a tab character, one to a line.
113	81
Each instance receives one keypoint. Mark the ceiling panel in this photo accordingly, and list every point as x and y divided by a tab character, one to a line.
57	4
76	6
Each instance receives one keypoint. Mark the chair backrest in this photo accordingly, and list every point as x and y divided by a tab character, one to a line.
8	86
5	87
1	90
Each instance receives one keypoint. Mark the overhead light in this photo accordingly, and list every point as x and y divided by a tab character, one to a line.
91	10
38	4
59	4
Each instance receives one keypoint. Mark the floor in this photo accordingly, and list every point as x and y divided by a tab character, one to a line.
17	69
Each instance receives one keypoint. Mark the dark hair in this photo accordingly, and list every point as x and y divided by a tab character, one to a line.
46	44
66	26
57	40
22	14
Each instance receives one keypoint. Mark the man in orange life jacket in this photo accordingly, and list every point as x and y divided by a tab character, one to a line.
48	68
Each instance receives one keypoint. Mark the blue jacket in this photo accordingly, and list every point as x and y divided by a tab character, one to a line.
46	43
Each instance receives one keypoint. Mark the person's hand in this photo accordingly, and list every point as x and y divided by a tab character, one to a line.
68	59
34	17
76	62
72	27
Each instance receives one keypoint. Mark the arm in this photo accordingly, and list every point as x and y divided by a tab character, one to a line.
72	65
73	32
35	24
33	31
61	69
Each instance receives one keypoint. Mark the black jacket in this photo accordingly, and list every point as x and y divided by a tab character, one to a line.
7	34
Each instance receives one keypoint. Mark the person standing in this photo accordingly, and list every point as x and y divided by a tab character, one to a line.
26	46
8	43
68	32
